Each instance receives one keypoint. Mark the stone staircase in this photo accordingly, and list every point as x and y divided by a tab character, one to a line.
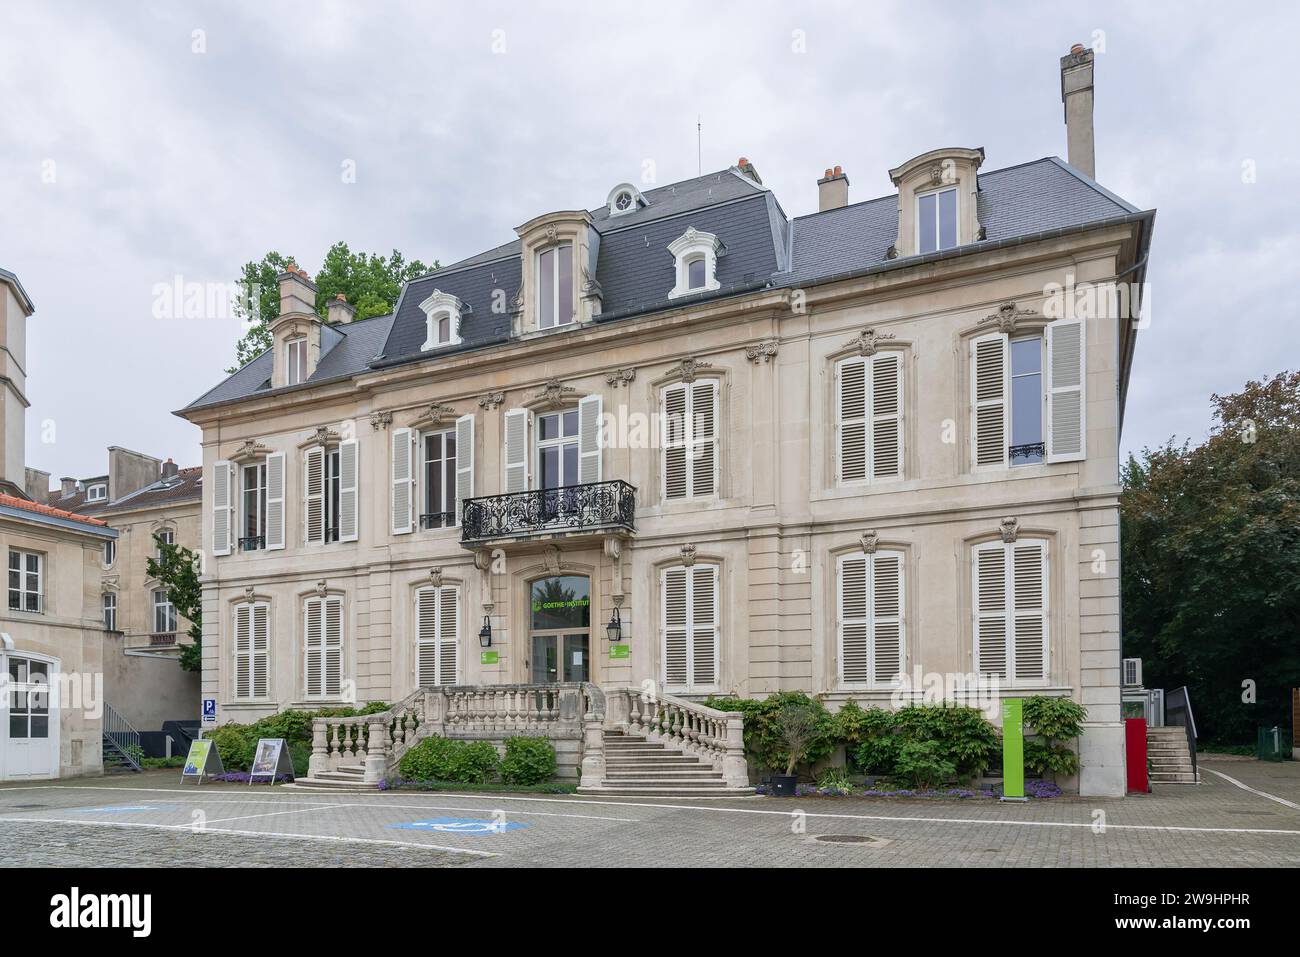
1170	757
348	777
635	766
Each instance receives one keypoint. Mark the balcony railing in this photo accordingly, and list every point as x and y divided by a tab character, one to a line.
28	601
595	505
1030	452
251	543
437	519
162	640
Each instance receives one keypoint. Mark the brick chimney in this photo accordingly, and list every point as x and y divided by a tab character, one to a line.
1076	96
832	190
168	470
747	169
340	311
297	292
67	486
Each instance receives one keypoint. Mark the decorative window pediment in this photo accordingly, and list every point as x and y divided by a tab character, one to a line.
696	254
442	316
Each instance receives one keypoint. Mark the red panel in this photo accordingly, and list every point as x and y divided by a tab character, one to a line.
1135	740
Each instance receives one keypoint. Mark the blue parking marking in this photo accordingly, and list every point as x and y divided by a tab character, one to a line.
460	825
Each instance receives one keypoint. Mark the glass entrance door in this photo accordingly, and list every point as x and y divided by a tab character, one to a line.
560	629
561	657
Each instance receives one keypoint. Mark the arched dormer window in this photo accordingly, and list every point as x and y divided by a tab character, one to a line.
696	254
623	199
442	316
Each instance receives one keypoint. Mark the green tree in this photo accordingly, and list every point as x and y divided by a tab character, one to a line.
177	569
371	283
1211	561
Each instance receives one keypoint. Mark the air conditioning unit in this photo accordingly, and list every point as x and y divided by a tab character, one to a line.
1131	672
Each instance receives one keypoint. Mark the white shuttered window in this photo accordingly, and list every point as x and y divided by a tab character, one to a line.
1010	589
1065	390
690	440
869	418
872	645
437	635
252	633
323	647
689	626
223	515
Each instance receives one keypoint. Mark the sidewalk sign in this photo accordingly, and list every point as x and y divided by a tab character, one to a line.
209	712
203	759
270	760
1013	751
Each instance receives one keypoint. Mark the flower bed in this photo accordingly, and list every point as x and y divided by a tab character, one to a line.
548	787
1033	789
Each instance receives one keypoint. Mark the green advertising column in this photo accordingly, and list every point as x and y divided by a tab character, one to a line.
1013	750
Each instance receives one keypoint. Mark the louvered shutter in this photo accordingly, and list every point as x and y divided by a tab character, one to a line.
516	452
448	634
989	405
887	417
243	650
464	464
1066	347
313	495
852	390
990	605
348	490
886	617
333	647
314	646
674	442
853	618
222	517
675	626
704	626
261	650
589	442
402	471
426	637
275	501
704	438
1029	614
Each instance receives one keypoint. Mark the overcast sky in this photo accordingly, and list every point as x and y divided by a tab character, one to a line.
136	151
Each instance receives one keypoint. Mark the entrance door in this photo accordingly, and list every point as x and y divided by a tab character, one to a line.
560	629
30	742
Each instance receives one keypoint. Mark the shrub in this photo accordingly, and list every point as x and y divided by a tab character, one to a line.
440	759
764	742
1054	721
965	738
528	760
835	780
923	765
235	743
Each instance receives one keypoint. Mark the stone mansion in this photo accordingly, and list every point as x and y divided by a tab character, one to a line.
686	438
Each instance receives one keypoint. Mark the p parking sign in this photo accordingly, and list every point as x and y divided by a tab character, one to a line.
210	711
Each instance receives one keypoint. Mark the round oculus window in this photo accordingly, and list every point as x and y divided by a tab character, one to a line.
623	201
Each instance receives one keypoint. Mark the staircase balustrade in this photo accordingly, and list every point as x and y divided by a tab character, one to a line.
687	726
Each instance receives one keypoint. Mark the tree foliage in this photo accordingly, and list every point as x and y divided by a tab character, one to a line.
371	282
177	569
1211	561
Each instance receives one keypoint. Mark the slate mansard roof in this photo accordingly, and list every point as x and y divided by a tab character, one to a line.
762	248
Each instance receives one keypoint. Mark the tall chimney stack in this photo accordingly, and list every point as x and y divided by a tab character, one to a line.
832	190
1076	96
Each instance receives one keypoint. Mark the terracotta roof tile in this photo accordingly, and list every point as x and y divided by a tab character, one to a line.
14	502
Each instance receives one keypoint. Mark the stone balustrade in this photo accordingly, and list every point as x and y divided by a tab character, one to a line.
687	726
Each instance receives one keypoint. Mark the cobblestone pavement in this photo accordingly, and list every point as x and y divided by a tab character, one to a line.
150	819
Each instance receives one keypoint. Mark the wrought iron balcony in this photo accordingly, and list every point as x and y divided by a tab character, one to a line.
1030	452
437	519
572	508
251	543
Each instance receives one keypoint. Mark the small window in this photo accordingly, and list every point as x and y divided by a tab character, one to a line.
555	287
164	536
936	221
1026	446
695	256
295	360
110	553
96	493
25	581
695	273
164	613
439	480
110	611
332	494
253	501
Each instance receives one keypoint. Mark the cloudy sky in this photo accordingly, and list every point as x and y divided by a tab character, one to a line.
150	142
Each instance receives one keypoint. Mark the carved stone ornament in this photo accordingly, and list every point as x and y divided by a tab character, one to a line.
321	588
251	449
435	577
1010	528
689	368
380	420
551	232
323	435
764	351
870	541
483	559
688	555
867	342
490	400
621	377
1008	317
437	413
248	592
554	393
551	555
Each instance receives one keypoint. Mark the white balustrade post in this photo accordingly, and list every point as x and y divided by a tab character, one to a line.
593	750
319	749
377	752
735	771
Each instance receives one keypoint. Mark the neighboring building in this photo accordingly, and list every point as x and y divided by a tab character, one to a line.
50	632
810	453
140	497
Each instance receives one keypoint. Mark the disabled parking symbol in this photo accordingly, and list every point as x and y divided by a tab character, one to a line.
460	825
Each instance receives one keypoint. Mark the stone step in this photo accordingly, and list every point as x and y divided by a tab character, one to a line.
656	792
673	782
672	774
348	784
667	763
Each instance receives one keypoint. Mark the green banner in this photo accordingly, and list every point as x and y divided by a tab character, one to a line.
488	658
620	651
1013	749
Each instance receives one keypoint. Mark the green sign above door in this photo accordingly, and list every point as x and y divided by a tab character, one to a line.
620	651
488	658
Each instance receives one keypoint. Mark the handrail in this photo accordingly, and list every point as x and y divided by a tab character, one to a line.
589	505
1178	710
688	726
122	735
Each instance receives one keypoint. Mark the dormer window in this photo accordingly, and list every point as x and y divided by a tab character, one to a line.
442	312
96	493
936	220
696	254
555	286
295	360
624	198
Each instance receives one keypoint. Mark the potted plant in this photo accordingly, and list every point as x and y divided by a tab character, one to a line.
797	726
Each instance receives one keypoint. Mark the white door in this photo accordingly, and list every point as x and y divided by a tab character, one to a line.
29	724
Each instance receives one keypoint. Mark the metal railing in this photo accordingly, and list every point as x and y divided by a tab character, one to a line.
571	507
251	543
1178	711
119	734
27	601
437	519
